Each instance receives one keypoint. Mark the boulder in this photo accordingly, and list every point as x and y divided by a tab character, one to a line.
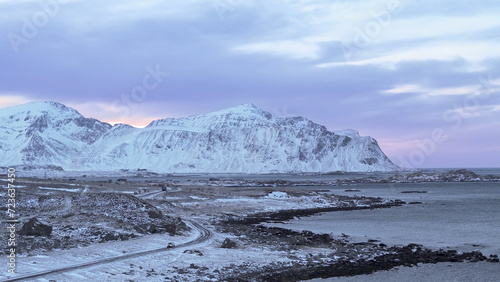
155	214
228	244
35	228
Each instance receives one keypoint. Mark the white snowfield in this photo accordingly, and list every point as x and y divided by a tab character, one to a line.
242	139
278	195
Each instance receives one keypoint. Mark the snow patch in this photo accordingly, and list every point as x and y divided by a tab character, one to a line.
278	195
59	189
198	198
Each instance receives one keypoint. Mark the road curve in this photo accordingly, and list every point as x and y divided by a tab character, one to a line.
149	195
205	234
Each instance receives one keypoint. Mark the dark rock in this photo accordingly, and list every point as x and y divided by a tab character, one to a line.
325	238
196	252
298	240
493	258
284	215
141	228
109	237
155	214
35	228
228	244
170	227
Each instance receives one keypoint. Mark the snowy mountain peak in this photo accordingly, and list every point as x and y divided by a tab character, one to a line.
246	115
247	106
348	132
45	133
244	110
241	139
39	107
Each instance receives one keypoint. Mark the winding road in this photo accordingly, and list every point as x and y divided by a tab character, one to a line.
205	234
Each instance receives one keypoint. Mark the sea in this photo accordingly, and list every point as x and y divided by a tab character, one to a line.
461	216
464	216
458	215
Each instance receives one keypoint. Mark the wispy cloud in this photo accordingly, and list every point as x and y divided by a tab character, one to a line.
12	99
418	89
473	52
299	49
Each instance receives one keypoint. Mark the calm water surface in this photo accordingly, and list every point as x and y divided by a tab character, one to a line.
462	216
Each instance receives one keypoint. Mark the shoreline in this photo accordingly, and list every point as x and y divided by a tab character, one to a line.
378	258
284	215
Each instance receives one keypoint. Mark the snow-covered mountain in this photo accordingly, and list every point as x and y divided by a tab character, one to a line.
46	133
242	139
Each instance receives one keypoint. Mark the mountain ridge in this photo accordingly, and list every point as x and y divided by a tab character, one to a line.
240	139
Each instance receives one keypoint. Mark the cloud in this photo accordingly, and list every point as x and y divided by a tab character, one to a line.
141	116
413	88
12	99
289	49
474	52
277	54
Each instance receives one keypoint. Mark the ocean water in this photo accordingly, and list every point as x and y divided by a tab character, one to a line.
272	176
461	216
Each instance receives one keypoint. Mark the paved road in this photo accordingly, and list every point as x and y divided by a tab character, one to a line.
205	234
149	195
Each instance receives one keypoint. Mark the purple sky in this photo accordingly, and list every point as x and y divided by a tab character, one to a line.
421	77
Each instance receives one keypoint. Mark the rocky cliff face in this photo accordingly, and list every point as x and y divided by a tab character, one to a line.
242	139
45	133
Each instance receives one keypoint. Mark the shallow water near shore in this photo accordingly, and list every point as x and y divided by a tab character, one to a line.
461	216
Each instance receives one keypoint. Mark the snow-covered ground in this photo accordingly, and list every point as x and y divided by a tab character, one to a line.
60	189
201	262
204	204
63	258
460	210
265	202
